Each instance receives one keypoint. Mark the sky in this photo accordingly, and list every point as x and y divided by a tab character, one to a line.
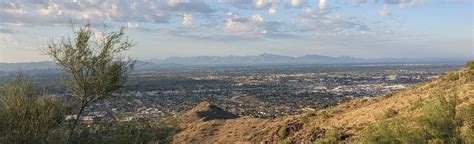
166	28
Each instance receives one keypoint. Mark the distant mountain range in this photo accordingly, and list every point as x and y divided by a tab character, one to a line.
27	66
279	59
257	60
263	59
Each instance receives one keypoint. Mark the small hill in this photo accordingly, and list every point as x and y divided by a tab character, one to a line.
205	112
343	123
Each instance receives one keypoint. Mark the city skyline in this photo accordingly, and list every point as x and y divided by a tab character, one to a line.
357	28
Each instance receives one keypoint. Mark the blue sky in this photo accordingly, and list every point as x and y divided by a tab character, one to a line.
165	28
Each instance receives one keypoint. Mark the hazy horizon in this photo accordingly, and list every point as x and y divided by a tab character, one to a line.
424	29
374	58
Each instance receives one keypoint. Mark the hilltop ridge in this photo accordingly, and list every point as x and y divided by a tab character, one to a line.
349	120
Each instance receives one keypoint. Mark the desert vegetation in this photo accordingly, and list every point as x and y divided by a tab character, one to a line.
94	69
27	116
439	119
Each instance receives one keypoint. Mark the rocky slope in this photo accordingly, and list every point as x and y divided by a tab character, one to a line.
208	124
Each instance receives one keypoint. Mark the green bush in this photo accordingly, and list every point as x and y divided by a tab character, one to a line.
392	131
416	104
26	117
389	95
332	135
438	123
135	131
310	113
470	65
467	116
325	114
286	141
440	118
453	76
283	132
390	113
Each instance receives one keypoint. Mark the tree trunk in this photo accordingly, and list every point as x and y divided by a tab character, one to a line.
76	121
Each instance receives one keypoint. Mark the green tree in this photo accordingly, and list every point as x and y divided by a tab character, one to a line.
28	117
97	67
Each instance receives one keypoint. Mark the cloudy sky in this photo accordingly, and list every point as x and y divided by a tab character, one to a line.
164	28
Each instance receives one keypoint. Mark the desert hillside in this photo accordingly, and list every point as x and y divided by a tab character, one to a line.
208	124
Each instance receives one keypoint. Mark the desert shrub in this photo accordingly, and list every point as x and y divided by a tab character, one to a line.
283	131
332	135
392	131
470	65
437	123
467	116
389	95
390	113
325	114
416	104
453	76
286	141
135	131
29	117
310	113
440	118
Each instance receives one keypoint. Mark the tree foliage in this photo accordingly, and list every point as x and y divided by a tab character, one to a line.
97	67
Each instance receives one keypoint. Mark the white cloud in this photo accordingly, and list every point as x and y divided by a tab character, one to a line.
322	4
385	12
257	18
245	26
315	11
261	3
412	3
297	3
132	25
52	8
173	13
187	19
330	25
272	10
47	13
405	3
173	3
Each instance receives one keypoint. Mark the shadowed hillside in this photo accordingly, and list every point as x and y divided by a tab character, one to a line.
353	121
